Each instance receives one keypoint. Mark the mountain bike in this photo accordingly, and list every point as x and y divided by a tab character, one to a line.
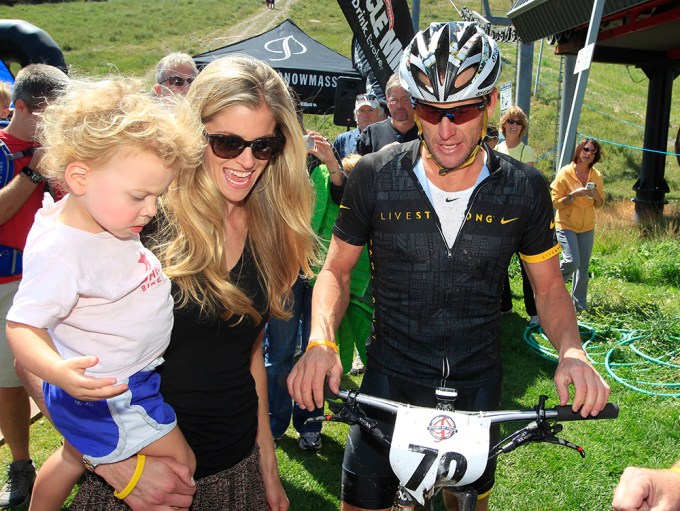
436	448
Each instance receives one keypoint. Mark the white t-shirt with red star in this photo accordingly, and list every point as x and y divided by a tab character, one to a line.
96	294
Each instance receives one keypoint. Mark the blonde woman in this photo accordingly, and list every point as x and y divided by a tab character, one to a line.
577	191
236	234
514	124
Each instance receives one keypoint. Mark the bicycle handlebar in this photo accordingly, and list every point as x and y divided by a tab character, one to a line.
558	413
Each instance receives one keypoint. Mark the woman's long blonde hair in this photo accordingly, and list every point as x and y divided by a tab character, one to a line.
278	209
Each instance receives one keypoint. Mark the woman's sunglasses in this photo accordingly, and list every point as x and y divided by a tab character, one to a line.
514	121
230	146
178	81
458	115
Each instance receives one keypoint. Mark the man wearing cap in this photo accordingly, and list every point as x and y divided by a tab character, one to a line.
367	111
399	127
442	216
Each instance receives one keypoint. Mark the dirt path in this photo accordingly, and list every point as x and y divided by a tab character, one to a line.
262	20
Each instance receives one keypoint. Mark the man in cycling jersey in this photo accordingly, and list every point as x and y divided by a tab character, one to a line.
442	216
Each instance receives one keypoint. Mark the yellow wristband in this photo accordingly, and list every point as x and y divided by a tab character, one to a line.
675	468
322	342
141	460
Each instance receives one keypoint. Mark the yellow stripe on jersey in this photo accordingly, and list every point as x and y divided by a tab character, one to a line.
539	258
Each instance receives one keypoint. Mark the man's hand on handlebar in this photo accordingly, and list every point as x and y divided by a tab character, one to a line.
591	391
307	379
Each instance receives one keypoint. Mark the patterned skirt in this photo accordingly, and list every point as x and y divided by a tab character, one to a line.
238	488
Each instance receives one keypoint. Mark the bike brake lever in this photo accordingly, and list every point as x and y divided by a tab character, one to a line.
564	443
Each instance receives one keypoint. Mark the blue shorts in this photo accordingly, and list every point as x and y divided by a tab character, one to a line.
114	429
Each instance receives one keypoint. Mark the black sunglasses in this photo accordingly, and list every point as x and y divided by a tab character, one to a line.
178	81
230	146
458	115
514	121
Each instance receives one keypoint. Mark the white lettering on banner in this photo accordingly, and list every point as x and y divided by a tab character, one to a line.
310	80
286	46
390	45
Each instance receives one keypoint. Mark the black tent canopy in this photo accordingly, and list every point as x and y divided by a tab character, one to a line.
309	67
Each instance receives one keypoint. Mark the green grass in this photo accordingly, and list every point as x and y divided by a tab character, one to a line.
636	277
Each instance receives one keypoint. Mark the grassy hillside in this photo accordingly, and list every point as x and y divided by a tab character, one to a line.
129	36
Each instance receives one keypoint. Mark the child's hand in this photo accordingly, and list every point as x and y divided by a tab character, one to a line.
69	375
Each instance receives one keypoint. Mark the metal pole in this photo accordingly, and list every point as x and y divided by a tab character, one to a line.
538	68
525	61
415	15
570	136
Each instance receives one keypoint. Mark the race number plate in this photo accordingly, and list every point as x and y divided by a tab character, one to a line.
433	447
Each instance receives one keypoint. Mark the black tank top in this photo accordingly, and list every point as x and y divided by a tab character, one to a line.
206	377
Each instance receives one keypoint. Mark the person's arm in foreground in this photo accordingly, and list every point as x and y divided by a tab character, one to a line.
558	320
269	468
329	303
647	489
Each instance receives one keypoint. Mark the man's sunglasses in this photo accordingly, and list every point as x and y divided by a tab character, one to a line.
458	115
230	146
178	81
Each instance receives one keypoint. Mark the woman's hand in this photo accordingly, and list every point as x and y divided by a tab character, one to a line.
584	192
165	485
324	151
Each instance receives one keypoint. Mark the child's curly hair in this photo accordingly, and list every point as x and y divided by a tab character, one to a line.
96	121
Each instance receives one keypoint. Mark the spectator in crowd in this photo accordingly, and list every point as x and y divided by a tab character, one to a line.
5	104
281	335
89	287
438	265
514	125
35	86
491	137
400	126
648	489
577	191
174	74
367	111
234	234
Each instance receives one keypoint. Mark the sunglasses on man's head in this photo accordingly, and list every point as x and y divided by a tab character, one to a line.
230	146
514	121
178	81
458	115
367	97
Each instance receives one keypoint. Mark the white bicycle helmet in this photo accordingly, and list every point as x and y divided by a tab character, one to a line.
434	66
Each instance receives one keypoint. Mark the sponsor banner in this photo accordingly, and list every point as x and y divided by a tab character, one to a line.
382	28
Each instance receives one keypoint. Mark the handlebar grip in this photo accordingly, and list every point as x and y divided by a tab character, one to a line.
328	393
564	413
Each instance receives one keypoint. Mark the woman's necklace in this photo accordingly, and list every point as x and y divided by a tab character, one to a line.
581	173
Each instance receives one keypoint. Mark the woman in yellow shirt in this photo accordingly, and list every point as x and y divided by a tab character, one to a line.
576	192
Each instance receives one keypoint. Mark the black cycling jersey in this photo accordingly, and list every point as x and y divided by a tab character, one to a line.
437	310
